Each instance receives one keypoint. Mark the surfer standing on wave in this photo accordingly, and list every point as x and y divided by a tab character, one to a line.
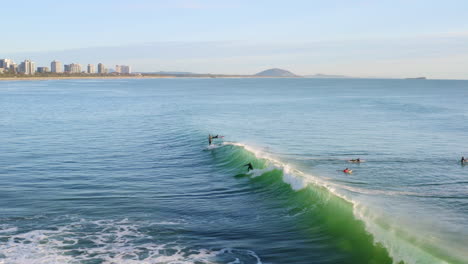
210	138
249	166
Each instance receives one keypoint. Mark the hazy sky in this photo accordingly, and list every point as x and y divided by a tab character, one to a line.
397	38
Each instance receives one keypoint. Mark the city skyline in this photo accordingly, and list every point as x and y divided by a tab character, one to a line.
394	39
28	67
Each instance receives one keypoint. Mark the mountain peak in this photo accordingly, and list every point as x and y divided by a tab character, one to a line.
275	72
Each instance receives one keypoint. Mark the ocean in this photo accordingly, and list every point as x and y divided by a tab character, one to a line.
120	171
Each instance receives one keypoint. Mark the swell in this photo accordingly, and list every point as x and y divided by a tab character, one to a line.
367	236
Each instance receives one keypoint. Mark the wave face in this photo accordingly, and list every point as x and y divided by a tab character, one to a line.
310	201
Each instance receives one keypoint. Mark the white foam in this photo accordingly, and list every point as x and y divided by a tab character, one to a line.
32	248
213	146
7	229
297	183
113	242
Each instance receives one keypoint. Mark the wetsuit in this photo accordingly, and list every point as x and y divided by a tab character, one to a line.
210	138
249	166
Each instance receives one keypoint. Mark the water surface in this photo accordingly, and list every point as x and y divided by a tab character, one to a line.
118	171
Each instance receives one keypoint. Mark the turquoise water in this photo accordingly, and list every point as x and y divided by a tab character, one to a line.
119	171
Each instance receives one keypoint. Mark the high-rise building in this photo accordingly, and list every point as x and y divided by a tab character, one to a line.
122	69
101	68
13	68
91	69
56	67
66	68
27	67
32	68
42	69
75	68
5	63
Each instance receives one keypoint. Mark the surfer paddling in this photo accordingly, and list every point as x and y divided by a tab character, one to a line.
249	166
348	171
355	160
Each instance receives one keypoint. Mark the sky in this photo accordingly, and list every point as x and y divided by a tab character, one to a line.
361	38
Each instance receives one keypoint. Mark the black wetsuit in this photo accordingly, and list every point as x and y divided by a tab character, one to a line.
249	166
210	138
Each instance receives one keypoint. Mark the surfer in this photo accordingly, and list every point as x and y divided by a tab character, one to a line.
356	160
463	160
249	166
210	138
347	171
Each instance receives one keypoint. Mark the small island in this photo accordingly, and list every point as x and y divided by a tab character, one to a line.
417	78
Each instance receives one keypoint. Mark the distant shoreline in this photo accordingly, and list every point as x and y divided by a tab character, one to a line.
201	76
49	78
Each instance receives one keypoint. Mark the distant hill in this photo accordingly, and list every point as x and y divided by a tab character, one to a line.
276	73
326	76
